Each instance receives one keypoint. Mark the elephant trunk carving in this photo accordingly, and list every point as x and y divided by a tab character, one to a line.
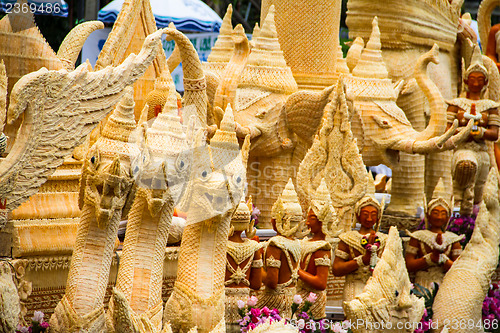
437	123
195	85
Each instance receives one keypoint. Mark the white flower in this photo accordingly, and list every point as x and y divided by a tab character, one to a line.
38	316
241	304
301	323
22	329
297	299
252	301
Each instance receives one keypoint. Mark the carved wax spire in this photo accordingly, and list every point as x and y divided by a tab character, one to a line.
341	62
166	132
266	66
439	197
222	51
476	63
321	204
287	211
371	64
241	217
290	200
256	31
121	123
226	134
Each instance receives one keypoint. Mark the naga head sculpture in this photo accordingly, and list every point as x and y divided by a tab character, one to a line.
106	176
161	170
218	174
386	297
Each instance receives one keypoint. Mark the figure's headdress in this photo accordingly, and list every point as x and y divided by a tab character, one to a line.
369	200
242	218
321	205
476	65
287	211
438	199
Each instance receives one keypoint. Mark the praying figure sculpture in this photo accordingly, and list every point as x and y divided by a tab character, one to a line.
358	250
316	252
243	263
471	161
282	254
431	252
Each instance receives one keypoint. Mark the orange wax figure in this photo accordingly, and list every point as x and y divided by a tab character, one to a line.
471	161
282	255
431	252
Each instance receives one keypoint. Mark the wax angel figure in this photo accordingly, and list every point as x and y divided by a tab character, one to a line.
282	254
243	263
316	252
471	161
358	251
431	252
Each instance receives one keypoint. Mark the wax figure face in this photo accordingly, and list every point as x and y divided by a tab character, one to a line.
368	216
438	217
476	81
313	223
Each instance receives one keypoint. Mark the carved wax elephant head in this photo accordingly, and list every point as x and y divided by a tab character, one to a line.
380	126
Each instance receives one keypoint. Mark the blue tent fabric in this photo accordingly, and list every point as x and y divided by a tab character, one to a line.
38	7
187	15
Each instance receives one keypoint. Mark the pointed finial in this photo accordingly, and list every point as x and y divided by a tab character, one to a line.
371	63
269	27
374	41
227	124
170	106
476	63
121	123
222	51
256	31
290	200
341	66
227	28
439	190
322	193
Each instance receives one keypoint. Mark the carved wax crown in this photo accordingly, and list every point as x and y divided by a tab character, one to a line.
266	66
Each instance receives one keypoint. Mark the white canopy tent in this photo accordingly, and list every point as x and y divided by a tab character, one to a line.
187	15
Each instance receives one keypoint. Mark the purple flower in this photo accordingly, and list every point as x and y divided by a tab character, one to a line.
459	221
274	312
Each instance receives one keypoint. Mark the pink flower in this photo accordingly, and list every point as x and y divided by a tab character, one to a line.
297	299
251	326
255	312
458	221
312	297
265	311
241	304
252	301
44	324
